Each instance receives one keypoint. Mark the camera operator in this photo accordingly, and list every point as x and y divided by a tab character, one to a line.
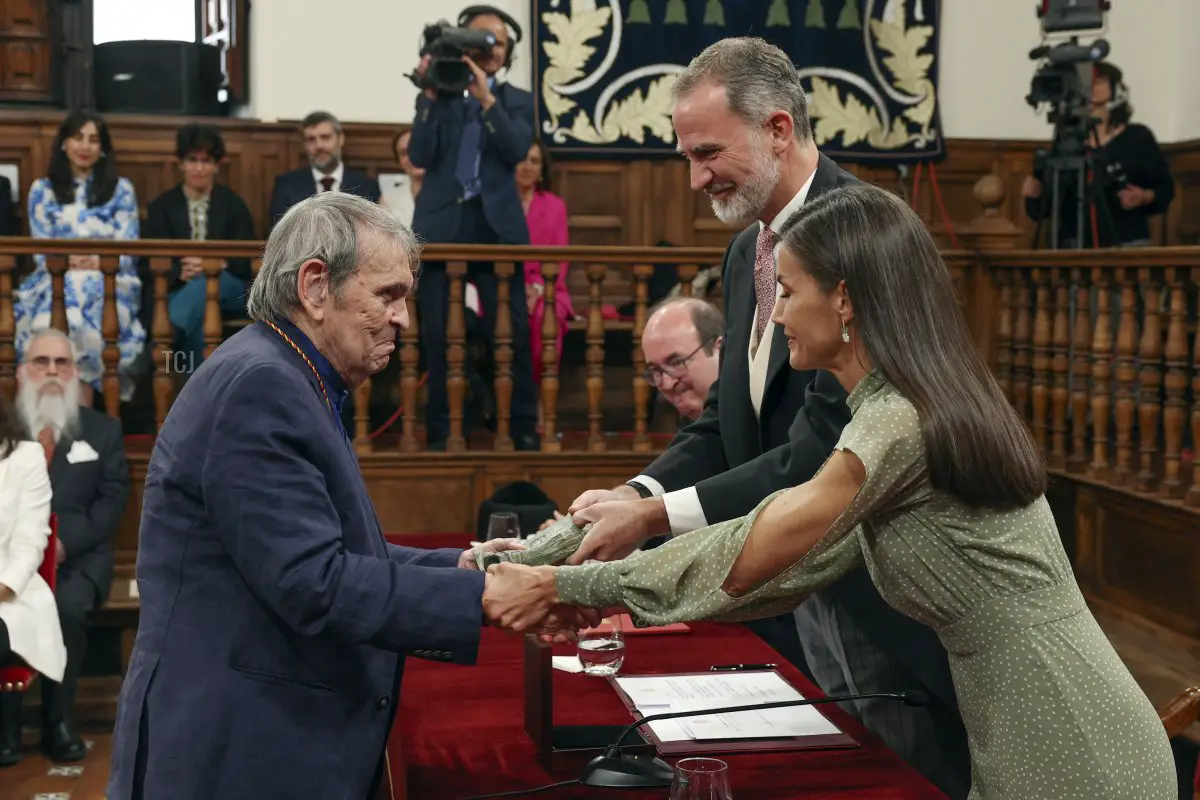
469	144
1131	178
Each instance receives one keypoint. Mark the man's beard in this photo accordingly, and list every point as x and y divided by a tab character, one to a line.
59	412
750	198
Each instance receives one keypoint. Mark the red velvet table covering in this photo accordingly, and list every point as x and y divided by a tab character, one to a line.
463	727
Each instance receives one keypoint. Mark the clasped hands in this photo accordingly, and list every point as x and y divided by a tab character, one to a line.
524	599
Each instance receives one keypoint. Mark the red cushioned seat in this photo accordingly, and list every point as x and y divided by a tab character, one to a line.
18	677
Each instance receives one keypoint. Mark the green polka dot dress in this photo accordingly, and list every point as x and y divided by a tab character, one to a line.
1050	711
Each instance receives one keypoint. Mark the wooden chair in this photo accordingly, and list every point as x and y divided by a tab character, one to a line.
17	678
1178	715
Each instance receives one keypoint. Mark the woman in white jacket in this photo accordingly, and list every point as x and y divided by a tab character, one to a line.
29	628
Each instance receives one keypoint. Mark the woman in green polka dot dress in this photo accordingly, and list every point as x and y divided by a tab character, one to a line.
937	485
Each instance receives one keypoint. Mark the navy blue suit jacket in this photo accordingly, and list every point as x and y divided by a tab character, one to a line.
274	616
506	138
292	187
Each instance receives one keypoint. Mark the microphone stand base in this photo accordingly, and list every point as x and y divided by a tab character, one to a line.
627	772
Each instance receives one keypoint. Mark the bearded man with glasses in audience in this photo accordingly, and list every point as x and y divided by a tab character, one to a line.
682	347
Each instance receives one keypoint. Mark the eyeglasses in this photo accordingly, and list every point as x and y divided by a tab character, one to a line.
675	368
43	362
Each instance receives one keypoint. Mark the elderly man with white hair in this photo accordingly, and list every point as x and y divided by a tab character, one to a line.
89	476
275	617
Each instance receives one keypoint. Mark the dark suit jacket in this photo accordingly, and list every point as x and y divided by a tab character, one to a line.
274	615
506	138
167	217
90	496
735	460
9	224
292	187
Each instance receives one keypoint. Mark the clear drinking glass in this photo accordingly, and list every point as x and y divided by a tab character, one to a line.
504	525
601	649
701	779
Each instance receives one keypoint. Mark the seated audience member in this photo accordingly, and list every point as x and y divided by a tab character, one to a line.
29	631
83	198
323	142
546	215
681	344
9	224
400	192
89	476
199	209
1132	177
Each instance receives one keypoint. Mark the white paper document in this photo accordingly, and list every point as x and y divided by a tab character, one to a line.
657	694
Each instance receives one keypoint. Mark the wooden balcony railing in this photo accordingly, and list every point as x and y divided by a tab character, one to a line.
1098	350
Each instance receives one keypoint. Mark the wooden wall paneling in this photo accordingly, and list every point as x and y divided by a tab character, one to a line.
26	51
1183	218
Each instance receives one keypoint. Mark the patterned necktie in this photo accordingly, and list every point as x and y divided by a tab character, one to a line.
46	437
199	222
327	182
764	279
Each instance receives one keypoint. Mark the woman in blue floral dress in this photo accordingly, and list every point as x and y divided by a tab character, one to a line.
83	198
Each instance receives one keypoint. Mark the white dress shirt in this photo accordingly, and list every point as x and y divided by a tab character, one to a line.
396	190
336	175
684	511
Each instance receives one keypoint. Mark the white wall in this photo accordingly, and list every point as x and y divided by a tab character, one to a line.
351	62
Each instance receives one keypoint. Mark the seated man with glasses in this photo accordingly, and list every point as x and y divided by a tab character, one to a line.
681	344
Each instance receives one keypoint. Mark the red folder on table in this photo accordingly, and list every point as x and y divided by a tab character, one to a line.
629	629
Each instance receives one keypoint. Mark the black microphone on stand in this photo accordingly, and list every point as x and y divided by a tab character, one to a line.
614	770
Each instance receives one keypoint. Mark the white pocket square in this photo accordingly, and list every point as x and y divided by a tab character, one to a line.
80	452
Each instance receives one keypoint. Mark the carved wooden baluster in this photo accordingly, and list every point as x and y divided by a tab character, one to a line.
1041	356
1150	353
1126	371
110	330
503	383
597	443
162	333
456	353
1193	495
363	443
1175	381
686	273
1102	344
550	441
1022	344
1081	367
641	387
409	356
212	306
1060	365
1004	333
57	267
8	330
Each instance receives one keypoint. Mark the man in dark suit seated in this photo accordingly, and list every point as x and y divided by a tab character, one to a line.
469	146
326	172
275	618
198	209
681	344
85	453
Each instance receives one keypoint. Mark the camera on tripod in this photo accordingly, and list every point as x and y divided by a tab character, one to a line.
1063	81
447	74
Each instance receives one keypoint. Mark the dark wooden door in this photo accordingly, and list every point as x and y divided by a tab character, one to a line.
26	51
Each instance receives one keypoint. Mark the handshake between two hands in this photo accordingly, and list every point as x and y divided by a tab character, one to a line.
524	599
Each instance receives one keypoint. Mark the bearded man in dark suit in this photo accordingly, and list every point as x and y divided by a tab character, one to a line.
742	122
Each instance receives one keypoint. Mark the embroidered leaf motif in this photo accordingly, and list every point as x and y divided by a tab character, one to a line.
852	120
906	63
570	53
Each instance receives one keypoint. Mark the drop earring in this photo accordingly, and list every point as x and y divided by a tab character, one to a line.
845	332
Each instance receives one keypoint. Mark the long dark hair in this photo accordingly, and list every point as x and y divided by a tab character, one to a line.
11	429
104	171
907	315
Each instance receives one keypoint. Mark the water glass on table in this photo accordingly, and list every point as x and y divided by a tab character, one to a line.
701	779
602	649
504	525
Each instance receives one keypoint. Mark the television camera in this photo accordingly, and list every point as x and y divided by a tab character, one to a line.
447	74
1063	81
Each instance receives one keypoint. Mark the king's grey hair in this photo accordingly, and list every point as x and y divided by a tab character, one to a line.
758	77
332	227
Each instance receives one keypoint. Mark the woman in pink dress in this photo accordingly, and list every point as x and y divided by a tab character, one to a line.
546	215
